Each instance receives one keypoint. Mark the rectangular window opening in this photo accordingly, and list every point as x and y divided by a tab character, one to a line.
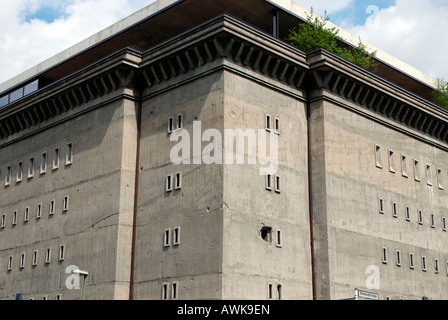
408	214
167	238
271	293
26	215
411	260
34	260
31	168
180	121
277	184
19	172
3	221
9	264
39	211
22	261
52	207
65	204
424	263
378	159
62	253
170	125
178	182
279	239
8	176
416	170
428	175
392	161
277	126
169	183
420	217
56	159
404	166
174	290
269	182
268	123
69	154
433	221
381	206
43	163
436	266
165	291
14	218
48	255
385	255
395	210
443	223
398	258
279	292
176	236
440	179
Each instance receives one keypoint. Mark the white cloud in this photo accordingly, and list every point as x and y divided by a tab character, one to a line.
413	31
24	44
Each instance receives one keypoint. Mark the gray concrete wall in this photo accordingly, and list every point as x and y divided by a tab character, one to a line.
250	263
356	230
99	184
196	263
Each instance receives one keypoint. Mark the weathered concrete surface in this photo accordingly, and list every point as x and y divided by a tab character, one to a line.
355	230
248	206
96	229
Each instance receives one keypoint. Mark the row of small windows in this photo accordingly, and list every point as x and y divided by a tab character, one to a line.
58	297
173	182
171	235
39	209
408	214
170	291
35	258
273	183
413	261
405	168
177	123
43	165
272	124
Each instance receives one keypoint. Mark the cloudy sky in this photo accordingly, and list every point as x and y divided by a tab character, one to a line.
412	30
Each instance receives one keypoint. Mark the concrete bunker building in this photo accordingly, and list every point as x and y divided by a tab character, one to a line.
359	200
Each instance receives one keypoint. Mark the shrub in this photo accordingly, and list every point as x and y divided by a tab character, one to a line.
315	34
440	95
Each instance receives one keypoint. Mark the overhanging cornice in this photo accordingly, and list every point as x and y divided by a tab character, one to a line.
226	38
368	91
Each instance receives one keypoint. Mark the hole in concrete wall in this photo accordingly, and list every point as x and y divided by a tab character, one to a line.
266	234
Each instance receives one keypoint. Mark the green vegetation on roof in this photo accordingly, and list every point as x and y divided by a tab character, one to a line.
440	95
315	34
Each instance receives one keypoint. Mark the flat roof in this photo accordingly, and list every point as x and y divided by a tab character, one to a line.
165	19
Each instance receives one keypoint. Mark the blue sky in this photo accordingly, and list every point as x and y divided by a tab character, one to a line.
359	11
48	12
32	31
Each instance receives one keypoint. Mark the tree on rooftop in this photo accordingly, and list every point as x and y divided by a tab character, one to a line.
440	95
315	34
